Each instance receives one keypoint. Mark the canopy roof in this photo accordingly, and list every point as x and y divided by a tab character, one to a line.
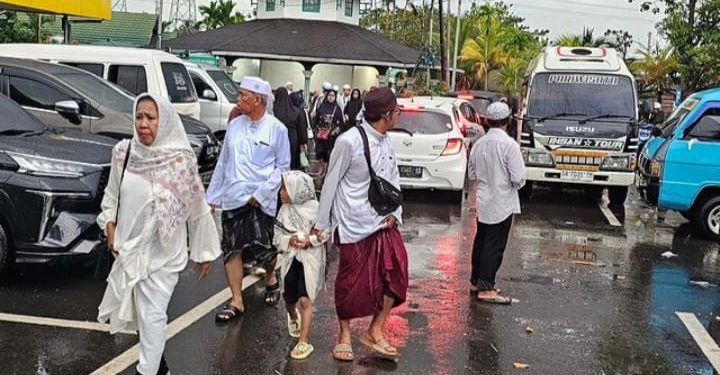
300	40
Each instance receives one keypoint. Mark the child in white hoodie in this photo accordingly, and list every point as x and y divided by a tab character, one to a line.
303	261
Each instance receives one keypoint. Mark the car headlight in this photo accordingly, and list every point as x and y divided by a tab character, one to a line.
655	169
619	162
42	166
536	157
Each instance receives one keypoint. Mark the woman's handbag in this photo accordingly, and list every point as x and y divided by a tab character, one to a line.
383	196
326	129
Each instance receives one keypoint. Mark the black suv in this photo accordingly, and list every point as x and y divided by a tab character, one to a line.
64	96
51	185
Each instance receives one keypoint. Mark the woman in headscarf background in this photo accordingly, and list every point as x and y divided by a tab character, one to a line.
303	264
295	121
329	125
353	107
153	208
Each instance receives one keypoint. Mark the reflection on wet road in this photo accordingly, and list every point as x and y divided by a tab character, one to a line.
593	299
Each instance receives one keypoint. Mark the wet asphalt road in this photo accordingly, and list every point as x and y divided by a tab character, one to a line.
599	299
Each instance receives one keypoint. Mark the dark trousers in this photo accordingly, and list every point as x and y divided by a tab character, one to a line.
488	250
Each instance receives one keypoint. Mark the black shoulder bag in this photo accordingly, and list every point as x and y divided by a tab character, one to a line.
105	261
383	196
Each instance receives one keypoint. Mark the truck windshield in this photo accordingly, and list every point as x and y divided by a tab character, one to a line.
581	93
668	127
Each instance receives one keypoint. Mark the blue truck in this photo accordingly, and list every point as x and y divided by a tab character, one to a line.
679	167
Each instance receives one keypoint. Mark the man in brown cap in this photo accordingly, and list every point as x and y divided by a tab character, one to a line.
373	269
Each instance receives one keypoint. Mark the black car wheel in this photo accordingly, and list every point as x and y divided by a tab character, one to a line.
617	195
708	218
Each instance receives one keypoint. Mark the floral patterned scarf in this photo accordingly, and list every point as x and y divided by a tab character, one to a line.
169	164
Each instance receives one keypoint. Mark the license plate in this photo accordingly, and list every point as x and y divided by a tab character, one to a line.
410	172
206	177
583	176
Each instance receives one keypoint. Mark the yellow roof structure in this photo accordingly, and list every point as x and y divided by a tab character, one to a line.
96	9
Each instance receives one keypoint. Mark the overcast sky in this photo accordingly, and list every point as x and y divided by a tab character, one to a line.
558	16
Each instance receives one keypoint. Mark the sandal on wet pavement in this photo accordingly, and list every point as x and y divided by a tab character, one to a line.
294	326
498	300
228	313
272	294
301	351
343	352
381	346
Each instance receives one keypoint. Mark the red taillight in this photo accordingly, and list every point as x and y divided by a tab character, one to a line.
453	147
466	97
412	108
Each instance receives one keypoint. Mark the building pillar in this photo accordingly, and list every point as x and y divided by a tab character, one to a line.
307	73
383	79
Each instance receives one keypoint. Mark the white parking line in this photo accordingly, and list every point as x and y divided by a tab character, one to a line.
609	215
130	356
53	322
706	343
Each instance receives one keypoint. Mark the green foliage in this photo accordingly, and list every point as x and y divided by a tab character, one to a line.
14	31
219	14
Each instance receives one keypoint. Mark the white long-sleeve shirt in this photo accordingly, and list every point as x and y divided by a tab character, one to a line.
253	158
497	165
344	198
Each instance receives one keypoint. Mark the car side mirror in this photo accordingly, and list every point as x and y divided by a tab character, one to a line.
209	94
69	109
656	132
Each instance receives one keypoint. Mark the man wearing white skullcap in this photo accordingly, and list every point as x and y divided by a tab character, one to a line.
496	163
245	186
289	87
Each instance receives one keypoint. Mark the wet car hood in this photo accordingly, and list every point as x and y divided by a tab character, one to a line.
194	126
591	129
71	145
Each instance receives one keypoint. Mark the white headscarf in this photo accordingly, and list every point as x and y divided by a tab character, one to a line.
300	215
169	164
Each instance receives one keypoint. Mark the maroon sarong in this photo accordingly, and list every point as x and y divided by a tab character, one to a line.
368	270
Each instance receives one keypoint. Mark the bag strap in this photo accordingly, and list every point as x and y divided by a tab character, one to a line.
122	175
366	147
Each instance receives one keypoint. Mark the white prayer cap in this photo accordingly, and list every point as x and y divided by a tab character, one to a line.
288	83
346	87
256	85
498	111
327	86
335	88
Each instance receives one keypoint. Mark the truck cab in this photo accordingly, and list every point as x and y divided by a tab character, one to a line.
579	120
679	168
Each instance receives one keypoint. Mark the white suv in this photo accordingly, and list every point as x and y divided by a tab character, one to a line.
430	146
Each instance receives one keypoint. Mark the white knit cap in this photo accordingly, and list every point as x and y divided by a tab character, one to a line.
327	86
498	111
256	85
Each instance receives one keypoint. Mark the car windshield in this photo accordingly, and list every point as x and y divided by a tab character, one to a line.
668	127
423	122
588	94
13	117
226	85
99	90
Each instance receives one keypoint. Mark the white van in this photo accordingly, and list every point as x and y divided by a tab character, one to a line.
136	70
218	94
580	120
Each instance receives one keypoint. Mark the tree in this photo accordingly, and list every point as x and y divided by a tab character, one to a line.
654	70
12	30
486	52
621	40
586	39
219	14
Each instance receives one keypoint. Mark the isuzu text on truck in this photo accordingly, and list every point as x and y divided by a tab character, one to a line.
580	120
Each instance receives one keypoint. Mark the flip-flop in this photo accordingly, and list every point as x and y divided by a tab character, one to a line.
294	326
272	294
343	348
301	350
380	346
499	300
227	314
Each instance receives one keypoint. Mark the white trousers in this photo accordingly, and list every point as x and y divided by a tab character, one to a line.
152	297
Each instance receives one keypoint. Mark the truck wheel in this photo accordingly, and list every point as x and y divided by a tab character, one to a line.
617	195
5	252
526	191
708	218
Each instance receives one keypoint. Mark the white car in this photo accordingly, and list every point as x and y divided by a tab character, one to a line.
217	93
430	147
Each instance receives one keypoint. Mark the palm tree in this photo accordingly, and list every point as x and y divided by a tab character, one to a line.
654	70
219	14
586	39
486	52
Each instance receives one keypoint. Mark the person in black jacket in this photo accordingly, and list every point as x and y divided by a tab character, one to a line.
295	120
329	124
353	107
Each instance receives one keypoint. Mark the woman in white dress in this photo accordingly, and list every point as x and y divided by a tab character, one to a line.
154	207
